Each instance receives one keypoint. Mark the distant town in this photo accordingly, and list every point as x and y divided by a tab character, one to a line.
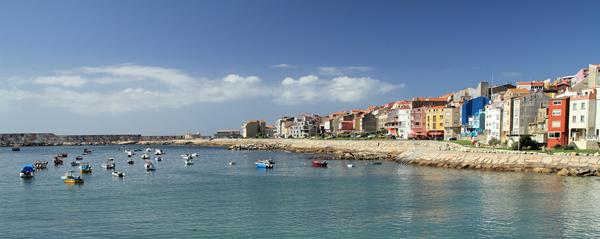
552	113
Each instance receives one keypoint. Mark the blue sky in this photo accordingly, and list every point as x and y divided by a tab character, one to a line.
167	67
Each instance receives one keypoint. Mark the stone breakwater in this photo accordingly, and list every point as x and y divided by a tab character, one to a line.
423	153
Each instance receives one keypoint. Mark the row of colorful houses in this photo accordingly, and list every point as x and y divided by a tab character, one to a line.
556	111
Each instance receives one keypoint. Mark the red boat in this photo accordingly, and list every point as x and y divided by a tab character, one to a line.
317	163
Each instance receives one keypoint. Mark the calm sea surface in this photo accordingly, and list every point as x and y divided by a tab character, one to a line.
211	199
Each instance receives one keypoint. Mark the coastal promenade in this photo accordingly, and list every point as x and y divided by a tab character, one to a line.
423	153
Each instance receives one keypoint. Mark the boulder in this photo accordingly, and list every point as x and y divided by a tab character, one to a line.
563	172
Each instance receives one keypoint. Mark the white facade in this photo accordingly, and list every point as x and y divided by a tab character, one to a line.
582	115
403	123
493	121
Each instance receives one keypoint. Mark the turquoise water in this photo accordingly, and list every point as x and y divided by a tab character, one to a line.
211	199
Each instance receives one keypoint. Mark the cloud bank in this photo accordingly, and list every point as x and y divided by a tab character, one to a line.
127	88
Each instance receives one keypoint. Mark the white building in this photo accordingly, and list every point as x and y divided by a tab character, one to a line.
493	120
582	115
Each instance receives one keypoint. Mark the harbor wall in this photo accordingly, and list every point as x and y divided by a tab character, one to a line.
425	153
49	139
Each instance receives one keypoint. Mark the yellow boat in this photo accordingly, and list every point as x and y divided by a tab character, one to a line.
70	178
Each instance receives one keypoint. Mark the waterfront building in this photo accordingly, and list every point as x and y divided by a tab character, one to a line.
476	124
398	123
499	90
452	124
228	134
538	128
582	113
493	119
282	127
525	111
190	135
558	122
435	122
254	129
367	122
305	126
507	111
417	123
471	107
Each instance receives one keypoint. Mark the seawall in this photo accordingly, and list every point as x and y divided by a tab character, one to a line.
423	153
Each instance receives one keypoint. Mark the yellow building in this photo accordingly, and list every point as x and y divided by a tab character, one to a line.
434	122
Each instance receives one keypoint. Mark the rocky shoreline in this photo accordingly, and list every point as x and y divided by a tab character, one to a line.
423	153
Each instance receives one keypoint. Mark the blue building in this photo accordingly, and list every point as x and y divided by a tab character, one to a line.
471	107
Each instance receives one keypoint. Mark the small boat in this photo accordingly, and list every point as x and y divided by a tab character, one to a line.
263	164
79	158
148	150
129	153
186	156
350	165
320	164
158	159
130	161
16	148
63	155
75	163
189	162
70	178
149	166
118	174
158	152
58	161
40	165
144	156
376	163
108	165
85	168
87	151
110	159
231	163
195	155
27	171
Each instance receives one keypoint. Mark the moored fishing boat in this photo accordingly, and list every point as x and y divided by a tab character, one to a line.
158	159
129	153
130	161
108	165
85	167
70	178
118	174
319	164
87	151
350	165
263	164
186	156
58	161
149	166
145	156
231	163
188	162
16	148
158	152
27	171
79	158
63	155
40	165
376	163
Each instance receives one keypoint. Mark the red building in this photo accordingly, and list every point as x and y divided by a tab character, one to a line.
418	129
558	122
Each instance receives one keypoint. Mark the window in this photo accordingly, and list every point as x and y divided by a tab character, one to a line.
556	112
574	106
554	135
574	119
557	102
582	119
555	124
583	105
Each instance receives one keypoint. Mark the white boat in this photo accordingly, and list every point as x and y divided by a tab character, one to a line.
148	150
158	152
149	166
189	162
231	163
350	165
158	159
144	156
186	156
108	165
118	174
195	155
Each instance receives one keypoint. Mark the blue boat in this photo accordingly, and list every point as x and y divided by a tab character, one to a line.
85	168
263	164
27	171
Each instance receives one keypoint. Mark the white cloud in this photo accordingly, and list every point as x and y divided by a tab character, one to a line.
282	66
308	89
342	70
127	88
